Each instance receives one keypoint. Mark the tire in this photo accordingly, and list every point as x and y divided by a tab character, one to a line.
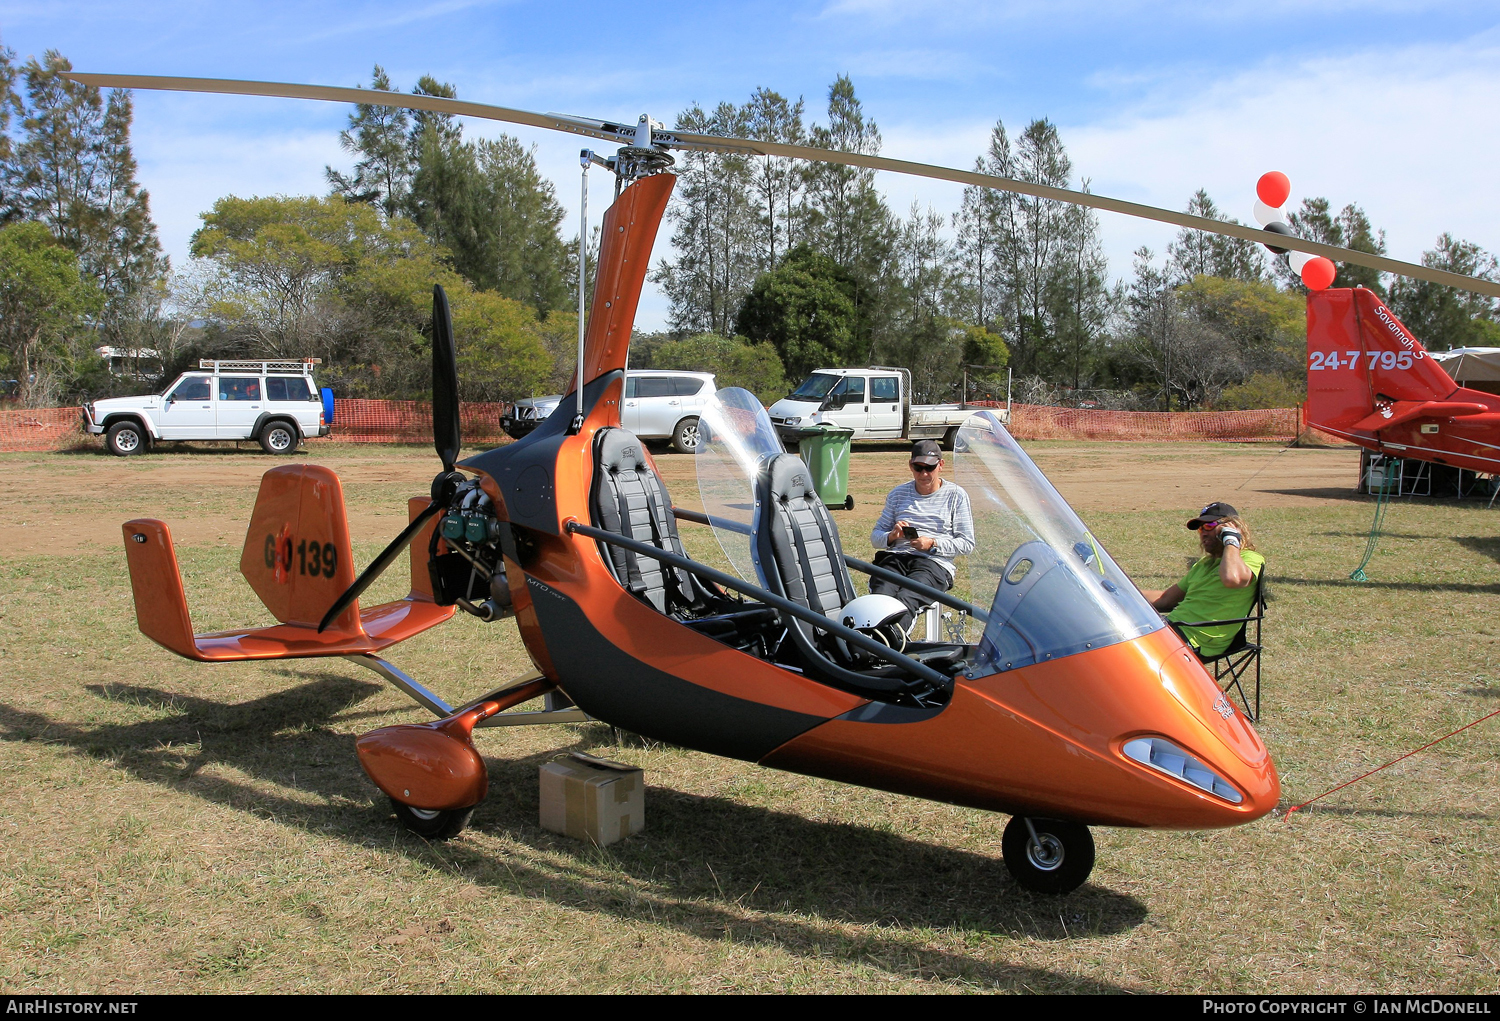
278	438
949	438
125	439
1059	866
443	824
848	503
685	437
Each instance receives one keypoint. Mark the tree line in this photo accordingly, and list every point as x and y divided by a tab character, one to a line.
809	258
777	267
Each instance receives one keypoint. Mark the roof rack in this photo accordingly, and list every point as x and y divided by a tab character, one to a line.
301	366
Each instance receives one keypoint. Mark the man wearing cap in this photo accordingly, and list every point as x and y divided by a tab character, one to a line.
1219	586
925	524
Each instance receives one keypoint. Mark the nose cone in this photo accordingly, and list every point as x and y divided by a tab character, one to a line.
1136	734
1217	733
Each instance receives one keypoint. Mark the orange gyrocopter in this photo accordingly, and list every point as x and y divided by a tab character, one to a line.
1058	696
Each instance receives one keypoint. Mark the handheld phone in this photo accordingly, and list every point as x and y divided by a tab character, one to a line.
907	531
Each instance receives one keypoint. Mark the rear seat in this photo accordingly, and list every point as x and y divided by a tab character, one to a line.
630	500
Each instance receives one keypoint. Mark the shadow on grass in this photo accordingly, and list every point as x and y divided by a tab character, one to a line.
1486	545
710	867
1492	588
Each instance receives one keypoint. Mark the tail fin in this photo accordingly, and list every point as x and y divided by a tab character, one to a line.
298	559
1360	357
297	555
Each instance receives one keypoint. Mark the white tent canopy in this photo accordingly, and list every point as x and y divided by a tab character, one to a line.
1470	364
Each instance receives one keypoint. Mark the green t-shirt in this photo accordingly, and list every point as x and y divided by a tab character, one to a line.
1209	599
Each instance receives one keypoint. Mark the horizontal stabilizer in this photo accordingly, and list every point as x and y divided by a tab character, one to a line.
1400	412
162	612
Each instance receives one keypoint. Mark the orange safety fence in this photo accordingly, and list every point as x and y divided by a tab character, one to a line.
363	421
1039	422
41	429
370	421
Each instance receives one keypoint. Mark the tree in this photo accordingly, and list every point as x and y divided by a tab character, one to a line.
1199	253
10	104
716	225
1081	304
78	176
1351	228
379	136
44	304
805	309
484	203
846	216
734	361
1036	247
775	182
1446	317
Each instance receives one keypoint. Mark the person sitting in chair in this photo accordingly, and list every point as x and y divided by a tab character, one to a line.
925	524
1219	586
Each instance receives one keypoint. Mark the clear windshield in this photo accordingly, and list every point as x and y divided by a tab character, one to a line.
1052	589
734	436
814	387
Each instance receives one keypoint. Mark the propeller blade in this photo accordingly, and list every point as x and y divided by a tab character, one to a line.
445	423
377	566
627	135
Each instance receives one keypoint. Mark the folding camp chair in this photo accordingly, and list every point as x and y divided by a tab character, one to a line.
1243	652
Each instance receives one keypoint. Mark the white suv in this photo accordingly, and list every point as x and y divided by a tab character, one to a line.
276	403
660	404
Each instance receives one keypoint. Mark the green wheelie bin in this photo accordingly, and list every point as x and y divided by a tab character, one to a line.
825	451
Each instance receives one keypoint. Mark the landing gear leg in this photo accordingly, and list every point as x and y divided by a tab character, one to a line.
1047	855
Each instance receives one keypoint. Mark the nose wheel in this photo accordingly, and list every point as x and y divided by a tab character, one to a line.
1047	855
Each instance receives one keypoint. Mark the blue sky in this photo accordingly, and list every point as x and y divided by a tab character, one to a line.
1393	105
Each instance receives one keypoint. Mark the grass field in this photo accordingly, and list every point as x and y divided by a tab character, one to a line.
173	827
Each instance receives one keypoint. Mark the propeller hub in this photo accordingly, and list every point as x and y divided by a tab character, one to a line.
444	485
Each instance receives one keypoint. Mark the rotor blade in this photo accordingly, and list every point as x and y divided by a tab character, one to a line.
692	141
377	566
332	93
445	423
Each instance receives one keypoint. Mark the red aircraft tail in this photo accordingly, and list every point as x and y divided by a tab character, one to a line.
1366	372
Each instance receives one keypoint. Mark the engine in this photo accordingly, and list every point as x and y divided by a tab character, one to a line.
464	557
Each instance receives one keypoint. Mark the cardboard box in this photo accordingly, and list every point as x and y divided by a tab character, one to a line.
593	799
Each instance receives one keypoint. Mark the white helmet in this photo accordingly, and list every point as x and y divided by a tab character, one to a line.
877	616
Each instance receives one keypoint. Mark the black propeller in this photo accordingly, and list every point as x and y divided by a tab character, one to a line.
445	438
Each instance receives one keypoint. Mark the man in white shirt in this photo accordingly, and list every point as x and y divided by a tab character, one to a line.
925	524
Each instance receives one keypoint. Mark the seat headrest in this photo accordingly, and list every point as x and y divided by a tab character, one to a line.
621	450
789	478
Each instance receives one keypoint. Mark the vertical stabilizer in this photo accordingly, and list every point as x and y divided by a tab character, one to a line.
1359	354
297	555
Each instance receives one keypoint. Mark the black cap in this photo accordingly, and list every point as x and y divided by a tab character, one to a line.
1213	512
926	452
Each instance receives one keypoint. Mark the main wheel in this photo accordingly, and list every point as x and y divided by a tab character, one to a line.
434	824
685	438
278	438
125	438
1057	861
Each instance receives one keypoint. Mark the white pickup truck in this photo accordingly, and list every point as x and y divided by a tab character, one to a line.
274	402
874	402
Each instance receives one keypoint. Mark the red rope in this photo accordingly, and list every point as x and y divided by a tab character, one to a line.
1377	769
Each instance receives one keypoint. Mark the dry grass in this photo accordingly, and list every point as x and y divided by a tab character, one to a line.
171	827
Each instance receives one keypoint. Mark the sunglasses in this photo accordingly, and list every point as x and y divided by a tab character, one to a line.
923	468
1208	526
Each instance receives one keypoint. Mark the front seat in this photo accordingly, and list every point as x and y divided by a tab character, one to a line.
630	500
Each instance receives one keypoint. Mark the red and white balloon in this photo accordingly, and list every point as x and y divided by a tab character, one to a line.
1271	193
